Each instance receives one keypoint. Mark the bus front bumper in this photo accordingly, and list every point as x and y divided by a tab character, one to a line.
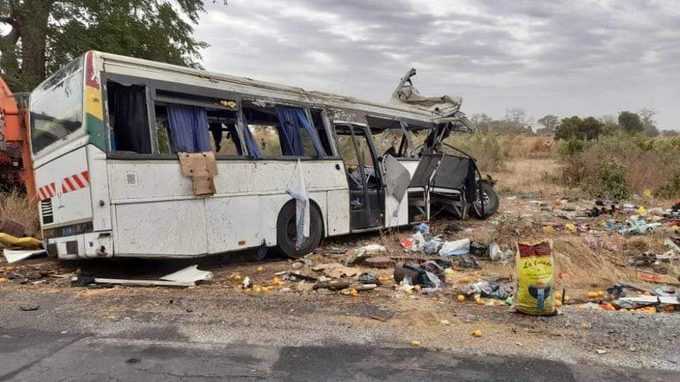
86	245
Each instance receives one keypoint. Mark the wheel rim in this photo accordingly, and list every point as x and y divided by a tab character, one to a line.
485	198
291	234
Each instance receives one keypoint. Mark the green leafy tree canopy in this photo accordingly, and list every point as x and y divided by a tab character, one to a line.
577	128
45	34
630	122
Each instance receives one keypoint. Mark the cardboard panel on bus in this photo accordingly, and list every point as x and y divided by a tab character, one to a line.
202	168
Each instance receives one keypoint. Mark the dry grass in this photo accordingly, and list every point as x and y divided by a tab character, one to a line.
15	206
520	146
529	176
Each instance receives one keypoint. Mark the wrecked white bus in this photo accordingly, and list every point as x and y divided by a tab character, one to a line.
135	158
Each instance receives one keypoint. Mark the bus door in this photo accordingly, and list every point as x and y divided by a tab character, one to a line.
366	188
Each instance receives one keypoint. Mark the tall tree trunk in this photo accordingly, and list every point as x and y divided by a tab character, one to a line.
32	18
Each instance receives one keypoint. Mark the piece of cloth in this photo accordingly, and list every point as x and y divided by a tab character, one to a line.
216	132
128	116
455	248
251	145
291	121
233	134
188	127
297	190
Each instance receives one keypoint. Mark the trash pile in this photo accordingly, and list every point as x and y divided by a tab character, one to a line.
513	259
629	297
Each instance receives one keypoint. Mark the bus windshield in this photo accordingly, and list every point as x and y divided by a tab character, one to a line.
57	106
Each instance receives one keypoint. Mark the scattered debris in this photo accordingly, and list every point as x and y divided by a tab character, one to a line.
423	228
500	290
183	278
83	280
14	255
332	285
246	283
644	301
29	308
415	274
497	254
637	227
11	241
368	278
379	262
455	248
467	261
364	253
189	275
336	270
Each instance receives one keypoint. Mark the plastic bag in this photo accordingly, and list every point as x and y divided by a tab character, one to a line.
535	278
455	248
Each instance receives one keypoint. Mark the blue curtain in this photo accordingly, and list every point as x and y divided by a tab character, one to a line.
188	126
251	145
291	120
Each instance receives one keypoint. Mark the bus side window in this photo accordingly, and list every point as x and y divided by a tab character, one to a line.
224	138
283	130
320	126
162	133
128	118
189	128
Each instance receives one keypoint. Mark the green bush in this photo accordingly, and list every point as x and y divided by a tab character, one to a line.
571	147
485	147
616	166
670	189
610	182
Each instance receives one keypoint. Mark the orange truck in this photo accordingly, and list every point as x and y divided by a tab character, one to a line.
16	170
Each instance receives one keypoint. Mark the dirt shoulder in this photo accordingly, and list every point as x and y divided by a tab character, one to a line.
279	309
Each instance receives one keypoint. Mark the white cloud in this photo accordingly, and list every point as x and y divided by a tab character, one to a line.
566	57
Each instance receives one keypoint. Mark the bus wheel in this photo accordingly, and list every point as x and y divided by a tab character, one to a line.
489	197
286	231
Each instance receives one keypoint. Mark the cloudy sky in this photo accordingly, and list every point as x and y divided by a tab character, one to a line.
563	57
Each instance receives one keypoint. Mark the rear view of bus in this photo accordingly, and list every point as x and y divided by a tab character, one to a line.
67	141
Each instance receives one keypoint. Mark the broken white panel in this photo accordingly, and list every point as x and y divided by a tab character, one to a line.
189	274
397	179
14	255
669	300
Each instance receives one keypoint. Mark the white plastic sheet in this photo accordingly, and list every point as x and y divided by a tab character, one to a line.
14	255
298	191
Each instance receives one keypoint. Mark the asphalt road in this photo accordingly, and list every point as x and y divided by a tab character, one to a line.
29	355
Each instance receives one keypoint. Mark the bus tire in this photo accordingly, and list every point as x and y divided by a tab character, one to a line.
286	231
491	201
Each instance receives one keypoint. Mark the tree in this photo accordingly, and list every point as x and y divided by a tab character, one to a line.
648	123
481	121
568	128
630	122
45	34
549	123
609	125
577	128
590	128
